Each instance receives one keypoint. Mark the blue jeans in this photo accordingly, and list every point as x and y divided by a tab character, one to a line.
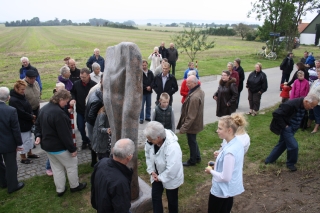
194	149
286	142
146	99
48	166
81	124
172	196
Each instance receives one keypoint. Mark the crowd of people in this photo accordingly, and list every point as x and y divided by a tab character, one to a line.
111	178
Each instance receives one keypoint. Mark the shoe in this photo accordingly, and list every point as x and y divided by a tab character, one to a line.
59	194
148	119
187	164
84	146
26	161
19	186
292	168
49	172
79	188
248	113
141	121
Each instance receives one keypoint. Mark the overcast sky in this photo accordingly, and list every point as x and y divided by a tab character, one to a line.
137	10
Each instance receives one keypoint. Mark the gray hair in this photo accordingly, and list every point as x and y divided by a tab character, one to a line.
193	78
156	48
230	63
312	98
192	72
154	129
64	69
24	58
95	65
96	49
4	93
85	70
123	148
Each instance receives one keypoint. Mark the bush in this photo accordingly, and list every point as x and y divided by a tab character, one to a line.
251	36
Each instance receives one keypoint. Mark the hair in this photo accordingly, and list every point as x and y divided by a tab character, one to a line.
230	63
85	70
64	69
144	61
300	66
193	78
96	49
20	83
60	86
310	53
190	63
318	69
300	73
241	121
122	150
165	59
192	72
238	61
166	64
4	93
233	122
66	58
164	96
24	58
226	72
95	65
154	129
156	48
306	52
71	59
62	94
311	98
260	65
289	53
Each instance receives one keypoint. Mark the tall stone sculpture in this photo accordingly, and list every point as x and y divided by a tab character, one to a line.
122	96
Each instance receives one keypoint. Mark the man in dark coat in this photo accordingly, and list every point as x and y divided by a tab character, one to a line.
79	92
74	71
96	58
286	67
111	180
147	91
172	57
163	51
165	82
286	121
191	120
10	143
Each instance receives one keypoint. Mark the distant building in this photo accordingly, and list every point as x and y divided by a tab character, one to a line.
308	31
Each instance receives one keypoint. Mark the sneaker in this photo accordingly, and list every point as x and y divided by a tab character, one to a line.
49	172
292	168
79	188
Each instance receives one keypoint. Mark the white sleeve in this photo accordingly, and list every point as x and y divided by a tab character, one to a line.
227	170
153	114
150	56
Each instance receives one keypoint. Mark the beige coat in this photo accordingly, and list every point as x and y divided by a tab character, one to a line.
32	93
191	120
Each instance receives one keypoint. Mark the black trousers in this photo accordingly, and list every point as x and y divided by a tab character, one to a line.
8	170
254	100
194	149
219	205
173	67
172	196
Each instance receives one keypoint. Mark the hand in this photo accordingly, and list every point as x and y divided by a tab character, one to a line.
154	176
109	131
19	148
72	102
215	97
38	140
208	169
216	153
228	104
70	110
148	88
74	154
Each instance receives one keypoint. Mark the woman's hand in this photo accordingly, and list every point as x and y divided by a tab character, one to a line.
208	169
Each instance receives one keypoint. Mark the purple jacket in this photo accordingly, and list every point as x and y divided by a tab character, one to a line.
299	89
68	84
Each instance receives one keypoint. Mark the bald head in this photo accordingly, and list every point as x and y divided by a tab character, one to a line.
192	81
72	64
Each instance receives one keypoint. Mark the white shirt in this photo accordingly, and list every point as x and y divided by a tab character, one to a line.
95	78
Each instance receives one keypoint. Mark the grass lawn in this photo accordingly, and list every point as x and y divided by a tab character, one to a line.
39	193
47	46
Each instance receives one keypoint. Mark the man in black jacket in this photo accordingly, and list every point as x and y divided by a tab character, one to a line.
165	82
74	71
163	51
10	143
53	131
286	121
111	180
286	67
173	55
79	92
147	91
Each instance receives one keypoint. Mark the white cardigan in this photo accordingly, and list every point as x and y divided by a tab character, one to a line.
155	61
168	161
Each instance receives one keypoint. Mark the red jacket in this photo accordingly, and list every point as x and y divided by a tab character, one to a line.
285	91
184	90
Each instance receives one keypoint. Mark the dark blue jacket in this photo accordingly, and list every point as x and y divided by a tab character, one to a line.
93	59
23	71
10	136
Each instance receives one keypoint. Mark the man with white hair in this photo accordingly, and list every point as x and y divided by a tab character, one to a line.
191	120
96	58
10	143
111	180
27	66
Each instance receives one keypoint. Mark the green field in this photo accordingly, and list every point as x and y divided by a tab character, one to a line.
47	46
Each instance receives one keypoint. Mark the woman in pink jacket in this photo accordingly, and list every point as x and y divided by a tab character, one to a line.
300	87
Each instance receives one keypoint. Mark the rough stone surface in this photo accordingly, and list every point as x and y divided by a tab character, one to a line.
144	202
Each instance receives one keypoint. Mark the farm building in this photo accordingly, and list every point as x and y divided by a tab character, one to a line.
310	33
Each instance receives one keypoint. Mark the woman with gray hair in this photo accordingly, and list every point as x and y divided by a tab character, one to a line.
163	158
64	77
155	58
96	72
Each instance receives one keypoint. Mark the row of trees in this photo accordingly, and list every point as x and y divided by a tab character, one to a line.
104	22
204	25
36	22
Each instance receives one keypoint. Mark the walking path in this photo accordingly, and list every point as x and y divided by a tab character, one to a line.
209	85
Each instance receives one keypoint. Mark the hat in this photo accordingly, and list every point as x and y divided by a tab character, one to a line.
32	73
